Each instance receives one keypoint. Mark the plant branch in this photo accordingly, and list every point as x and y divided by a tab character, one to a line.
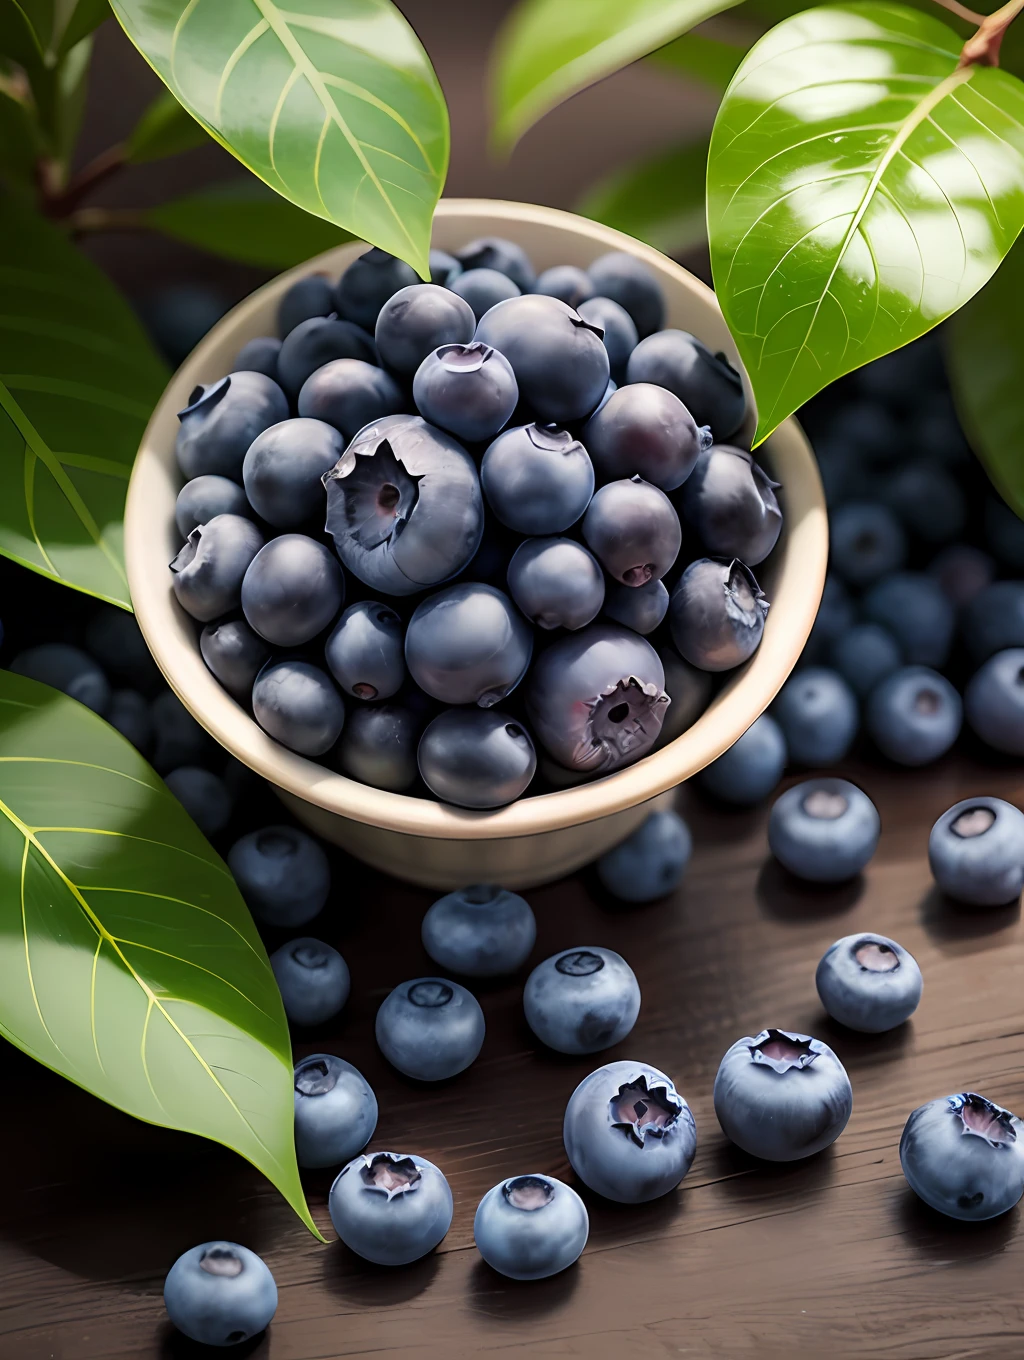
92	221
961	11
982	49
100	169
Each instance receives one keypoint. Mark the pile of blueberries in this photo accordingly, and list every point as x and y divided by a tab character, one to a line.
434	527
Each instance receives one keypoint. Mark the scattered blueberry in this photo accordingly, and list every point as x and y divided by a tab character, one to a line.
556	582
313	978
913	608
480	931
367	284
928	500
296	704
129	712
335	1111
751	768
823	830
483	289
220	1294
378	746
964	1155
650	862
1004	533
582	1000
976	851
235	655
468	644
835	616
633	530
316	342
476	758
282	873
868	983
538	479
391	1208
469	390
494	252
530	1227
620	336
633	286
914	715
962	571
864	655
994	701
179	315
312	295
114	639
994	620
178	738
68	669
348	394
203	795
641	608
222	419
430	1028
418	320
817	711
730	501
365	651
707	384
292	590
642	430
716	614
204	497
209	569
867	542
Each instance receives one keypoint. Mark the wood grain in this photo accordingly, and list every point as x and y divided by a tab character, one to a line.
831	1257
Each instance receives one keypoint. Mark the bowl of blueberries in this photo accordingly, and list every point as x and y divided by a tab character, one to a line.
474	570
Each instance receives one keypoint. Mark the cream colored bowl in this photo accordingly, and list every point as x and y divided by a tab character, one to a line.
536	839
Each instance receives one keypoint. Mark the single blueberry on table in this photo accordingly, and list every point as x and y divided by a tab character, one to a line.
178	738
444	268
258	355
928	500
716	614
220	1294
530	1227
632	528
596	698
642	430
556	582
752	766
296	704
824	830
235	654
964	1155
480	931
312	295
209	570
367	284
468	644
222	419
418	320
641	608
68	669
868	983
782	1096
912	607
994	620
430	1028
404	506
817	711
476	758
627	281
350	393
582	1000
688	690
867	542
313	979
365	651
203	795
282	873
707	384
567	282
864	655
129	712
204	497
335	1111
378	746
538	479
391	1207
730	501
650	862
620	335
628	1133
320	341
284	467
976	851
468	390
484	289
994	701
292	590
494	252
914	715
962	571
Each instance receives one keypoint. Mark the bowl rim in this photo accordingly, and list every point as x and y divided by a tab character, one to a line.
749	690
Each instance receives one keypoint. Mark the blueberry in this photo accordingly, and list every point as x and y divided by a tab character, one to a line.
582	1000
865	655
210	568
282	873
817	711
566	282
844	473
530	1227
752	766
313	978
994	619
994	701
292	590
707	384
129	712
628	1133
222	419
469	390
962	571
348	394
494	252
480	931
633	286
716	614
178	316
823	830
596	698
964	1155
867	542
913	608
928	501
976	852
835	616
650	862
559	361
235	655
641	608
391	1208
68	669
556	582
320	340
335	1111
537	479
644	430
283	469
312	295
220	1294
468	644
782	1096
868	983
204	497
633	529
364	651
296	704
404	506
730	501
620	337
688	690
430	1028
483	289
114	639
418	320
444	268
914	715
179	740
1004	533
476	758
378	746
203	795
367	284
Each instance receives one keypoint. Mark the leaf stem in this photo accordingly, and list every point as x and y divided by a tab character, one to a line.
969	16
98	170
982	49
91	221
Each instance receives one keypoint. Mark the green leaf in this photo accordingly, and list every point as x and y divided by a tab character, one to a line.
18	142
128	960
18	37
85	17
548	50
660	201
861	188
78	381
336	107
246	221
710	61
47	29
165	129
985	359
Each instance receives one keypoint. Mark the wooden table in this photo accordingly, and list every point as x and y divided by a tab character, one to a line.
833	1257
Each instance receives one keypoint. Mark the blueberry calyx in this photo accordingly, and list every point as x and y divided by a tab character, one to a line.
824	805
982	1118
618	722
431	994
782	1051
185	555
875	957
580	963
380	494
528	1193
311	956
314	1078
745	601
973	821
221	1261
705	437
581	323
553	438
205	396
390	1174
639	1110
465	358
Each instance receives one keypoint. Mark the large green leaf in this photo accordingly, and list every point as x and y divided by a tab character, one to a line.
78	381
18	142
165	129
861	187
660	201
698	56
985	357
52	27
547	50
335	104
128	960
247	221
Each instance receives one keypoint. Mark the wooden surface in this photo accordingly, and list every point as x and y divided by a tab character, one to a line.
830	1257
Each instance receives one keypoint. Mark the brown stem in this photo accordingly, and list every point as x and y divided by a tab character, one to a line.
107	163
961	11
982	49
90	221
